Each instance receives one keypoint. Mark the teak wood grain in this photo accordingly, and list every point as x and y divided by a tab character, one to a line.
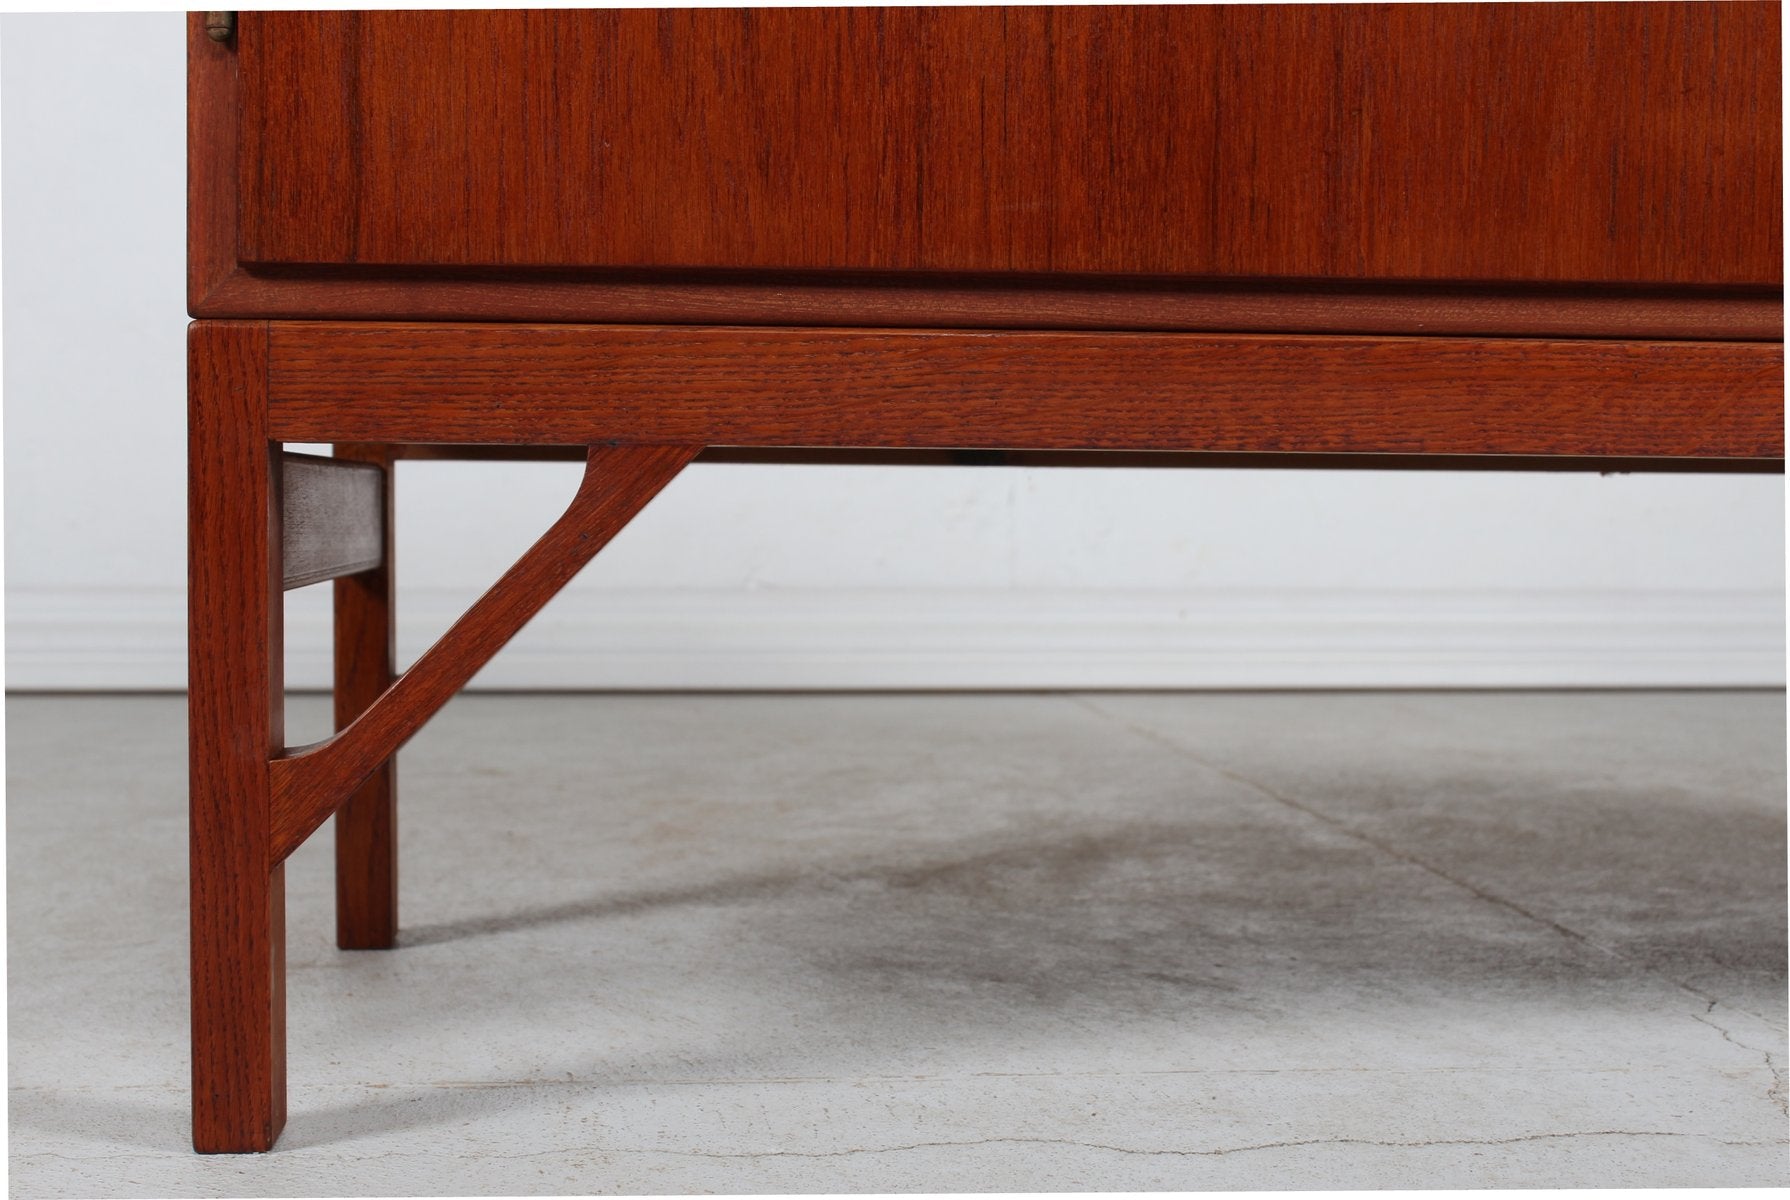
235	708
1041	302
1632	142
524	384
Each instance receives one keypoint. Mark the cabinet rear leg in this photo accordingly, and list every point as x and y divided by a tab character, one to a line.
367	823
235	706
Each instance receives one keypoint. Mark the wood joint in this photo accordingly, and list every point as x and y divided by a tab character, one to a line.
309	783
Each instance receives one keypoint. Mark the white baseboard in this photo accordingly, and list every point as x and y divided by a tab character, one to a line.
97	639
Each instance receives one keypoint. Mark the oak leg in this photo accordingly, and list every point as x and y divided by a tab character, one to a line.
235	725
367	822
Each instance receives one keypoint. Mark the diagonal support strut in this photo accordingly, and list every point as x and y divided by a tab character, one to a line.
308	783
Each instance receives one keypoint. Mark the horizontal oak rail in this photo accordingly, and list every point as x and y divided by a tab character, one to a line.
1026	390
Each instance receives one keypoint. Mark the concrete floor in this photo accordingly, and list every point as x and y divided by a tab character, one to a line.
668	944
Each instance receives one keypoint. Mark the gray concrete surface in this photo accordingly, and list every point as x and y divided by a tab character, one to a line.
666	944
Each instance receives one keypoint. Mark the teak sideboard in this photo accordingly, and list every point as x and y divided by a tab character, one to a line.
1407	235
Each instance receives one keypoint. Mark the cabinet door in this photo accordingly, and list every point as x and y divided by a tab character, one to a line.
1600	142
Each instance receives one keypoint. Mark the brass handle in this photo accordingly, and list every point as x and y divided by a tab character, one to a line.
220	25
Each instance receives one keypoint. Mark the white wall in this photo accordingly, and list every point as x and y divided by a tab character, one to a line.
835	577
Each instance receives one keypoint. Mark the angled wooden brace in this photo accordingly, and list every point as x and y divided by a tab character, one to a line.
308	783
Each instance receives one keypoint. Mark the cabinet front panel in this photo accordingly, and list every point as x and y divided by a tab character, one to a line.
1610	142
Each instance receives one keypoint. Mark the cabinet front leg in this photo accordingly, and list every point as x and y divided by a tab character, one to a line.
367	822
235	726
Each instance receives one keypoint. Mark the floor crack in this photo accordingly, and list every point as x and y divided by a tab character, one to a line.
968	1143
1219	1152
1339	826
1343	828
1776	1092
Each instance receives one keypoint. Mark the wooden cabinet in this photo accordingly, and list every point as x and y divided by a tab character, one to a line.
1538	235
1365	168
